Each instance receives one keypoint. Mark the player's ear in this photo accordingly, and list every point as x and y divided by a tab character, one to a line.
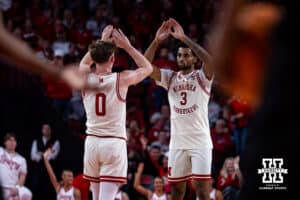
112	58
62	175
195	59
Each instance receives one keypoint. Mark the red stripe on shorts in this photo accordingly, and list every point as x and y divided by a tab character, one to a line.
92	179
201	176
113	179
178	179
105	136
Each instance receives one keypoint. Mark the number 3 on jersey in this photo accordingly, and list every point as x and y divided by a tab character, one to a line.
100	104
183	100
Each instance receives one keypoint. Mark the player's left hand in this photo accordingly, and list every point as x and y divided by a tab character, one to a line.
107	33
120	39
176	30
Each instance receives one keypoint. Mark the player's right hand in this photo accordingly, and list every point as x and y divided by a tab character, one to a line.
47	153
177	31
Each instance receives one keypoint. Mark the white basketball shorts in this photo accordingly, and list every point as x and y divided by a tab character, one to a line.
105	159
186	164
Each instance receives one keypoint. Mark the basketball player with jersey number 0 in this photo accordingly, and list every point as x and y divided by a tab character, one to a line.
105	153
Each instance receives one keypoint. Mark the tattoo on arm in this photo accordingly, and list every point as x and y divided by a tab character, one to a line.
200	52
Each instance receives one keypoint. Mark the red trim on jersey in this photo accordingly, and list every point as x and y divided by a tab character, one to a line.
202	85
106	136
170	80
118	89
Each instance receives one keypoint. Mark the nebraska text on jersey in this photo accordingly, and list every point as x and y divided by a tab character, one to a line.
186	86
185	110
10	163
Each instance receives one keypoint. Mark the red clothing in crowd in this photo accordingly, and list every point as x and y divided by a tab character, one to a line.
57	89
82	38
153	134
223	145
240	106
121	61
230	180
164	63
137	116
83	185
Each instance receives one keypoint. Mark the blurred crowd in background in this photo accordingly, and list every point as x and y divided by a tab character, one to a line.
44	113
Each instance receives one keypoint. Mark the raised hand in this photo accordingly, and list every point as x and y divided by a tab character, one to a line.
47	153
176	29
107	33
120	39
163	32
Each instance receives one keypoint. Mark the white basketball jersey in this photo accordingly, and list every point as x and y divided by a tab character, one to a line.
188	98
10	168
105	106
162	197
65	195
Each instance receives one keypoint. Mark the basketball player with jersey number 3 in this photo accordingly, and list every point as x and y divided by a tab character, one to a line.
188	94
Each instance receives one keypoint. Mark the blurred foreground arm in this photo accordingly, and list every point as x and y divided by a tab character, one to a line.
16	52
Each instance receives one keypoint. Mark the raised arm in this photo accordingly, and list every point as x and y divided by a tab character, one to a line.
200	52
162	33
17	52
50	171
55	150
86	61
137	182
131	77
